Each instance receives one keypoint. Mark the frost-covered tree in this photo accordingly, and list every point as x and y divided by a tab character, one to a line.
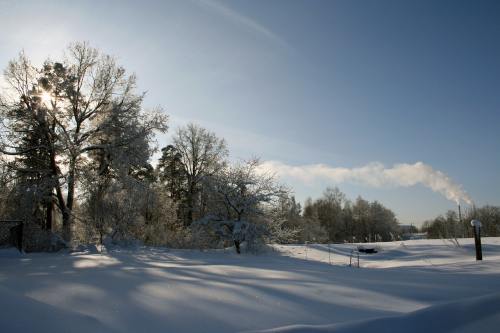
77	110
202	154
287	222
240	195
243	191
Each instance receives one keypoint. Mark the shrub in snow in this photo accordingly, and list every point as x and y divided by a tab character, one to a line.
211	232
239	197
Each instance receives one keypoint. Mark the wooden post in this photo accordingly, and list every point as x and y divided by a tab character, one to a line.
477	238
329	254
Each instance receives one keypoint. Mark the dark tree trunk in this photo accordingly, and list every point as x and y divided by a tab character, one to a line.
190	203
68	207
66	225
48	216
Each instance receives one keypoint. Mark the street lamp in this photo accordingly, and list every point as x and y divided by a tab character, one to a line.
477	238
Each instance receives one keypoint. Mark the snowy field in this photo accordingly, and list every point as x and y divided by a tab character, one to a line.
411	286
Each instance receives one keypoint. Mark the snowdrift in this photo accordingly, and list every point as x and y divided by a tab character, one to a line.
479	314
413	286
20	313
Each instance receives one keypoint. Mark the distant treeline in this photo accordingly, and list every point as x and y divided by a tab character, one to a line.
451	225
334	218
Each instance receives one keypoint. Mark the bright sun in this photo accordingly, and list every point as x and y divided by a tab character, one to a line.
46	98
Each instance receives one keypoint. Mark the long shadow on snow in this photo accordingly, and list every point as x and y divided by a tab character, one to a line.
135	273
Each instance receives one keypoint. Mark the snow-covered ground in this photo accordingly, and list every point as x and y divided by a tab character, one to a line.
411	286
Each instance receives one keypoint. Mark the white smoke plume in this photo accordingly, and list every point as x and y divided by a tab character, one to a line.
376	175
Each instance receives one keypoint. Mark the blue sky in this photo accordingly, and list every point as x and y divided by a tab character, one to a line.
338	83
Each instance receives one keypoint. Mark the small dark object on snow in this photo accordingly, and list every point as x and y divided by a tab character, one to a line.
367	250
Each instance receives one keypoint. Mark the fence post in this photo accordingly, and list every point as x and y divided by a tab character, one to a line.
329	254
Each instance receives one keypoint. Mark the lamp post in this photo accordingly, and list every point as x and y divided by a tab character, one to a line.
477	238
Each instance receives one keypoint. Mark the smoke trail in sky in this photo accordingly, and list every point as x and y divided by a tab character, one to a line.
376	175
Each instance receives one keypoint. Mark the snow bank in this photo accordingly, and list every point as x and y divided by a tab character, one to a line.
478	314
416	286
23	314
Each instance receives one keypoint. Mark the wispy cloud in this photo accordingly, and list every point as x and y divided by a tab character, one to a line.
242	21
376	175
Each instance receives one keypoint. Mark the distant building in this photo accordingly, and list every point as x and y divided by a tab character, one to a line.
409	231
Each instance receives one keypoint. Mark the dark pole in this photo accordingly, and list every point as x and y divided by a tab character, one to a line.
460	220
477	238
21	234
